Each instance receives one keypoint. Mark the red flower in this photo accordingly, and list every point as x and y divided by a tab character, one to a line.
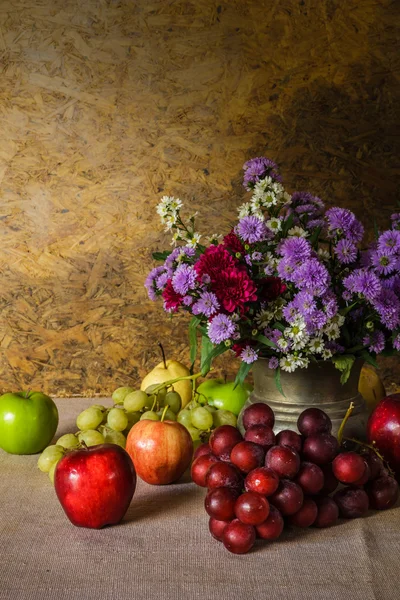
233	243
233	289
240	346
172	300
214	260
270	288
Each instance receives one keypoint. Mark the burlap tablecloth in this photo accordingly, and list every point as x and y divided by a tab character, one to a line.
163	550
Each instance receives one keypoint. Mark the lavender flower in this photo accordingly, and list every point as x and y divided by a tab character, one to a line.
346	251
258	168
249	355
184	279
362	281
251	229
295	250
221	328
312	277
274	362
207	305
375	341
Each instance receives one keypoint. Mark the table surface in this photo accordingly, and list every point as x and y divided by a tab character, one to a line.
163	549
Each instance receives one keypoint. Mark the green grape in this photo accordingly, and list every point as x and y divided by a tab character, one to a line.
185	418
174	401
224	417
194	433
115	437
90	418
150	415
69	440
160	394
211	409
99	406
49	457
201	418
150	402
120	394
52	471
169	414
135	401
117	419
91	437
133	418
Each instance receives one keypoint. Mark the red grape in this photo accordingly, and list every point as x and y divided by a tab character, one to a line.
238	538
200	467
223	439
306	515
223	474
320	449
251	508
262	480
260	434
330	481
374	462
217	528
313	421
348	467
383	492
288	498
328	512
310	478
287	437
272	526
283	460
247	456
366	476
220	503
352	503
258	414
201	450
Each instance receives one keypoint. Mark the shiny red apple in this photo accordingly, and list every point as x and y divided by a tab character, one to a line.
160	450
383	429
95	485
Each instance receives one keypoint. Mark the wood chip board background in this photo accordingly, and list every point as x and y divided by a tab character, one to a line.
106	105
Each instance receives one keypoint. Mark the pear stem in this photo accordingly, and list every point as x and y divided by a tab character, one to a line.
163	355
343	423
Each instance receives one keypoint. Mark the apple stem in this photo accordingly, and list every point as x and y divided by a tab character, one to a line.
27	394
343	423
163	355
164	412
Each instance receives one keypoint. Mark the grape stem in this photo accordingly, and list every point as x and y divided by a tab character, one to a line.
343	423
164	412
168	383
374	449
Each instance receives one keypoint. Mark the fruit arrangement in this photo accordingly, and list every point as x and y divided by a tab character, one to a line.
257	483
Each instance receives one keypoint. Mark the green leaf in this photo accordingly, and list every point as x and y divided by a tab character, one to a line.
278	384
206	347
161	255
193	338
264	340
314	238
279	326
206	366
347	309
244	370
343	363
369	359
287	224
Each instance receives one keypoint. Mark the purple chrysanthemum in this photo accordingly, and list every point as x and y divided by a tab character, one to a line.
396	342
258	168
180	251
184	279
395	218
329	304
188	300
387	305
290	312
315	321
306	203
346	251
221	328
256	256
389	242
312	277
342	222
285	270
392	283
249	355
295	250
362	281
305	303
247	259
334	347
384	261
273	363
251	229
375	341
151	279
207	305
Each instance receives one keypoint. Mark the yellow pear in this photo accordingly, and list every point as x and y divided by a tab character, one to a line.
370	386
174	369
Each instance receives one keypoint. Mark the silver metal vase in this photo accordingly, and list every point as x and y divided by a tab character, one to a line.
316	386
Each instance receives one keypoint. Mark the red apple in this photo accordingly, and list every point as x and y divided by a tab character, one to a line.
95	485
160	450
383	429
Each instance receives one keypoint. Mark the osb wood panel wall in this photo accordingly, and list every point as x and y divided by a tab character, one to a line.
105	105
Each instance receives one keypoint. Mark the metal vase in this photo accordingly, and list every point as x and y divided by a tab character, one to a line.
317	386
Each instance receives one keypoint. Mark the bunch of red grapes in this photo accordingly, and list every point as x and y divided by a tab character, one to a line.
257	483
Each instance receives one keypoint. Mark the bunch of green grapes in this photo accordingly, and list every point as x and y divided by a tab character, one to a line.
200	419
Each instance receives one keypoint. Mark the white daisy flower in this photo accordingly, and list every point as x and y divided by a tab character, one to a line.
288	363
297	232
326	354
302	361
323	254
274	224
282	344
244	210
316	345
193	240
264	318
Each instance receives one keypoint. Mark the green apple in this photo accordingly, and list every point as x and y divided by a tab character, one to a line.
28	422
223	396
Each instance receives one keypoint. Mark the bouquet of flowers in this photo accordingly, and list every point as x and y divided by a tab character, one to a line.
291	282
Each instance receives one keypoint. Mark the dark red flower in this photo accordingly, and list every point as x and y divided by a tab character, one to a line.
270	288
172	300
233	289
233	243
240	346
214	260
